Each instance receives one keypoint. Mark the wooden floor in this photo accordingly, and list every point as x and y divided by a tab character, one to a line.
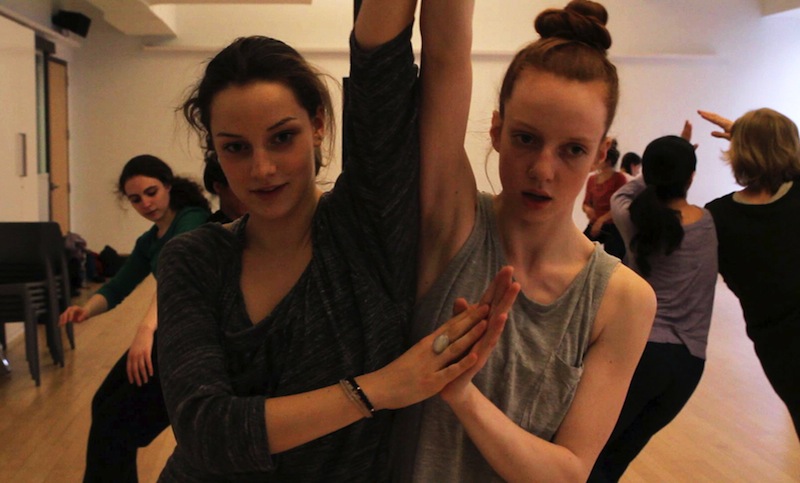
734	428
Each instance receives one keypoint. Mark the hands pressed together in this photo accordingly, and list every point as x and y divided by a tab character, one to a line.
473	333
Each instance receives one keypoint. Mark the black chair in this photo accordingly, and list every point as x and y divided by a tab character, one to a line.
25	302
34	285
55	250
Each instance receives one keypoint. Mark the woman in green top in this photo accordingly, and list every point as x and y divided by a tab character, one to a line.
128	409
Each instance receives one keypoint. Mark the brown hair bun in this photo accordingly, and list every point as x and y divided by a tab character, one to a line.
581	20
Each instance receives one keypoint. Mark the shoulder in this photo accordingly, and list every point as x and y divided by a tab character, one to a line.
146	238
706	219
720	203
192	215
208	242
629	303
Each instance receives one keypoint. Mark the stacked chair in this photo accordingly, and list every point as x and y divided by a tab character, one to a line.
34	286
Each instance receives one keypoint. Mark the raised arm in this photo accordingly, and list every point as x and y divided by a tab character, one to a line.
620	207
447	185
379	21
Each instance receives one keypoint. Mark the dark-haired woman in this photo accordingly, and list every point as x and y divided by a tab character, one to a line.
215	182
282	353
597	202
631	165
542	405
673	245
128	410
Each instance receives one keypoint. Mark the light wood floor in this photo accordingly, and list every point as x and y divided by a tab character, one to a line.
734	429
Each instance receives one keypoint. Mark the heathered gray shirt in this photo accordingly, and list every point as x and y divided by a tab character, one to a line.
346	315
532	374
684	281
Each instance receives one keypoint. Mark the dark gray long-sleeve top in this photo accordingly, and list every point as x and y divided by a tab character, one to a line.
347	314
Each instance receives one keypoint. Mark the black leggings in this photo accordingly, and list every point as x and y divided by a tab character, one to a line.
776	347
665	378
125	417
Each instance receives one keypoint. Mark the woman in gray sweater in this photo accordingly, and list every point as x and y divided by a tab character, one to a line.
673	245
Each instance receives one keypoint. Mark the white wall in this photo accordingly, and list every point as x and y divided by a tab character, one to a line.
673	56
19	180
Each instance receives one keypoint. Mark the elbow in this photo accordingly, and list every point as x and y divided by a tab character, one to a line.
221	435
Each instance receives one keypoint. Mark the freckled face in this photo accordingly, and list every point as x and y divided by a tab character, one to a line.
548	140
265	143
149	196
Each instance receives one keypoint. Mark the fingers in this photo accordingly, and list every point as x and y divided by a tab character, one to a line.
720	121
460	305
130	368
462	345
502	280
73	313
507	300
460	324
139	369
721	135
149	363
686	133
452	371
488	294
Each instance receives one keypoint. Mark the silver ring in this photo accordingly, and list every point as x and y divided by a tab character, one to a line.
440	343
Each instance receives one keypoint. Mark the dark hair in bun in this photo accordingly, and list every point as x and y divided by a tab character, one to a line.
582	21
573	45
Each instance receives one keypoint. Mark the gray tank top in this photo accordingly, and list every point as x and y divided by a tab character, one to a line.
532	373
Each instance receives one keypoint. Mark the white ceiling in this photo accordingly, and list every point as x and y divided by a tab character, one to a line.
157	17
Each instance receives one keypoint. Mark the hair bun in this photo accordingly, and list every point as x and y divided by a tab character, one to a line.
581	20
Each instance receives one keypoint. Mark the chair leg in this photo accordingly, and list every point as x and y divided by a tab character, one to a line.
71	335
32	344
54	341
4	361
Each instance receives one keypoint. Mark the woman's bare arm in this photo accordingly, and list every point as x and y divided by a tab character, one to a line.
447	184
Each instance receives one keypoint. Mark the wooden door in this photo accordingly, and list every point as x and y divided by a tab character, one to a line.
58	142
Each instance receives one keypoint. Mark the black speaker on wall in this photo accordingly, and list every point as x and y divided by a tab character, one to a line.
72	21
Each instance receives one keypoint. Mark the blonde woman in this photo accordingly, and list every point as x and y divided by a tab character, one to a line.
759	236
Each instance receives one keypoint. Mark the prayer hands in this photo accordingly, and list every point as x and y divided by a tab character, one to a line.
472	333
500	295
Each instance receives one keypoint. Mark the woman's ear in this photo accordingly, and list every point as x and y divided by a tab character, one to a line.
602	151
496	130
318	124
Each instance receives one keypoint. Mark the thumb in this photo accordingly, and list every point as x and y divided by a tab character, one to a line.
460	305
